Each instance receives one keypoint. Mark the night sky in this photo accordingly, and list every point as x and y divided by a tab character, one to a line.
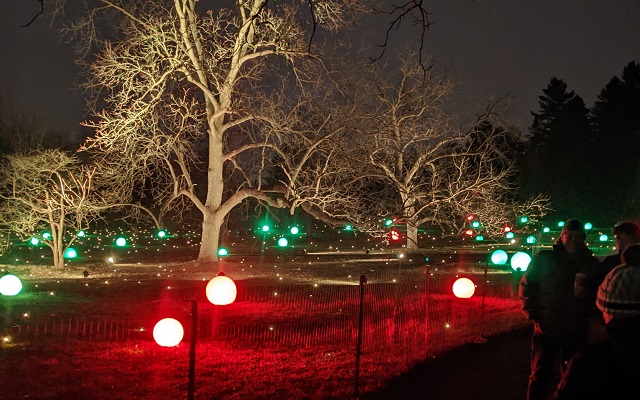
494	47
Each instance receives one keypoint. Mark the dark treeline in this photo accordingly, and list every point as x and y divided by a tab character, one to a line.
587	160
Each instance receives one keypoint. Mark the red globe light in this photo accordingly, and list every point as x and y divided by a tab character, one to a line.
394	235
470	217
463	288
469	232
168	332
507	229
221	290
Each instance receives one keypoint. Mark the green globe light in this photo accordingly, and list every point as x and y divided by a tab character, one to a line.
295	230
531	239
475	224
162	234
121	242
10	285
70	253
348	228
265	228
524	219
479	238
283	242
521	261
588	226
604	238
46	235
499	257
81	233
509	235
546	229
388	222
34	241
561	224
223	252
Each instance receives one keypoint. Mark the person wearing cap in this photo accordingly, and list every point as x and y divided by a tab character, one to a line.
625	234
557	293
610	369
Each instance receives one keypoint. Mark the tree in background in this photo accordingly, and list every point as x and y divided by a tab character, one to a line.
616	119
48	191
422	166
558	159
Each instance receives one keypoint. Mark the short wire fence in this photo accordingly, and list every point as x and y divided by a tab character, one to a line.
281	341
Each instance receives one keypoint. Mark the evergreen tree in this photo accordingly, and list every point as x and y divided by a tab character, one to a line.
616	120
556	161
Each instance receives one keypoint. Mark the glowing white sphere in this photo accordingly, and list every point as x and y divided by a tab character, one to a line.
499	257
10	285
121	242
521	261
463	288
168	332
221	290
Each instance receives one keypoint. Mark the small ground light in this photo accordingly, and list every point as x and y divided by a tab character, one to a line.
520	261
10	285
463	288
499	257
223	252
283	242
121	242
70	253
221	290
168	332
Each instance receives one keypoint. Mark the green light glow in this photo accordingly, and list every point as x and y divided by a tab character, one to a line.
604	238
295	230
521	261
546	229
388	222
348	228
475	224
499	257
561	224
223	252
265	228
588	226
531	239
70	253
283	242
46	235
524	219
121	242
81	233
34	241
479	238
162	234
509	235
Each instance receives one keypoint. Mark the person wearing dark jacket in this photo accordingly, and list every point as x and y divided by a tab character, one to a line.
625	234
557	293
610	369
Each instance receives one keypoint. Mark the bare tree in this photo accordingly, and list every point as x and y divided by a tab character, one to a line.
182	93
50	191
426	168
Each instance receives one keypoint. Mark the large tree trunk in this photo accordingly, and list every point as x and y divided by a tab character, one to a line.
211	226
412	236
58	257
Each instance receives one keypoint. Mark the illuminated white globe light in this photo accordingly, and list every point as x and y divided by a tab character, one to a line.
463	288
10	285
221	290
520	261
34	241
168	332
295	230
499	257
283	242
121	242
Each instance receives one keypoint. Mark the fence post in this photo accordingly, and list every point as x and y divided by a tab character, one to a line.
192	349
363	280
426	319
480	338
